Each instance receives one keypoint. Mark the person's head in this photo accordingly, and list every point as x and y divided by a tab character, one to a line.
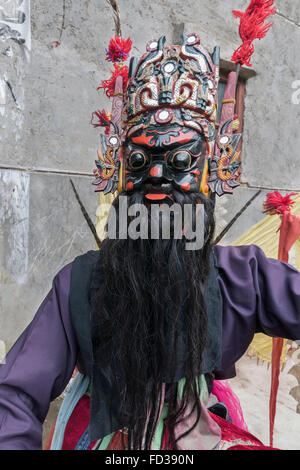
169	117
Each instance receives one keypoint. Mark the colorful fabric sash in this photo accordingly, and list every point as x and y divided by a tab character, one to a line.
72	425
76	390
212	432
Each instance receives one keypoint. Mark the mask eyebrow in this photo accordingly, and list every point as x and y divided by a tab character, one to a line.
171	140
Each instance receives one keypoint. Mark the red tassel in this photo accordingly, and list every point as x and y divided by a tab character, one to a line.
102	120
243	54
252	26
118	49
289	233
109	85
278	204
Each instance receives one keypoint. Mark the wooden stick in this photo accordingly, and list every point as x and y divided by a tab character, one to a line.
237	71
230	224
115	6
86	215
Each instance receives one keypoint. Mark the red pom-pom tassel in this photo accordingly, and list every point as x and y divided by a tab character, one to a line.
118	49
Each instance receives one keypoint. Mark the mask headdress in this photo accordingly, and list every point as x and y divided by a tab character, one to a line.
176	84
224	168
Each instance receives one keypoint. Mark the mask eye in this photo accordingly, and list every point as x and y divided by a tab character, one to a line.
137	160
181	160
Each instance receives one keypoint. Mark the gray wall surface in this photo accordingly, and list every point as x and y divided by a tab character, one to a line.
46	136
47	96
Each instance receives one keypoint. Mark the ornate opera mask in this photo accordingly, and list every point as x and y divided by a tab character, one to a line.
162	158
163	125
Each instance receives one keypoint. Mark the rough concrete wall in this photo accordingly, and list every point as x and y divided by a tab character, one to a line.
46	137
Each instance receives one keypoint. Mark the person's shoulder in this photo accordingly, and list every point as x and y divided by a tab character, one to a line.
241	253
83	261
84	265
89	257
239	262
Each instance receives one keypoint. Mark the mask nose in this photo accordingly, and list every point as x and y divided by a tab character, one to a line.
156	172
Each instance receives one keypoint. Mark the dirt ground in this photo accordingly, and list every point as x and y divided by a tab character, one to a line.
252	386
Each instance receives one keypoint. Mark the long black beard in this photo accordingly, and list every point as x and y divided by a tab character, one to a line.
152	300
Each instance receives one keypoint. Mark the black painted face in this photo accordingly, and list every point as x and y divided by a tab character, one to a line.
162	158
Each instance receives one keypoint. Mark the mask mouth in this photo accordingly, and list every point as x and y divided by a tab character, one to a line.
158	191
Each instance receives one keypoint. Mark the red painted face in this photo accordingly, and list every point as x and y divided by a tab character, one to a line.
161	159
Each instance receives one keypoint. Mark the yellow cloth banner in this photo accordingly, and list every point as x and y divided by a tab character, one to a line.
104	203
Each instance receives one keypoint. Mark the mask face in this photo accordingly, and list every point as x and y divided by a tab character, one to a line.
160	159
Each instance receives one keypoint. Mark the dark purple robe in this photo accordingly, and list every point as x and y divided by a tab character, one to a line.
259	295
